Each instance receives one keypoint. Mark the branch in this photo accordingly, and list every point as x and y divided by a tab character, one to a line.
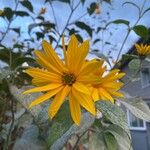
78	18
54	16
78	140
72	11
8	27
129	30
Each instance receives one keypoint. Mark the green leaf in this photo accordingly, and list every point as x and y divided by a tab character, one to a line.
8	13
39	35
61	123
72	31
129	57
96	40
4	73
46	24
107	43
134	65
79	37
27	4
82	1
113	113
96	140
121	21
41	18
141	30
108	1
85	27
92	8
4	55
17	30
19	61
51	38
99	29
123	139
64	1
137	107
21	13
19	46
111	142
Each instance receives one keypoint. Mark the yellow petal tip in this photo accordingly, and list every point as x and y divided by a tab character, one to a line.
25	92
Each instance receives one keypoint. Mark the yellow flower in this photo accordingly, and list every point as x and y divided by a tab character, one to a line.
98	9
62	79
108	86
43	11
143	49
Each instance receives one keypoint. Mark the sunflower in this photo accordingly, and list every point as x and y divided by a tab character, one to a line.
143	50
69	78
109	84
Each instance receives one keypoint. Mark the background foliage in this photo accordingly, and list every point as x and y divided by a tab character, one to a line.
110	131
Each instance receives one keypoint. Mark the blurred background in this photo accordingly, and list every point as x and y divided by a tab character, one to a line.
112	26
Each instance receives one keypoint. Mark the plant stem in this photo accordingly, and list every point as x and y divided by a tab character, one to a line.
8	27
50	3
78	19
129	30
78	140
72	11
122	46
12	123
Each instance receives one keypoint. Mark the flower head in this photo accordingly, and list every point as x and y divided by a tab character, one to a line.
97	9
108	86
142	49
69	78
42	10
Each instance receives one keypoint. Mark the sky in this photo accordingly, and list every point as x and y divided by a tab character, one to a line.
116	10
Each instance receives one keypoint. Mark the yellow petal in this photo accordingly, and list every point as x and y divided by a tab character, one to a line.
82	52
64	50
81	88
43	88
111	75
88	79
58	100
138	48
72	52
147	50
75	110
52	56
113	85
116	94
115	77
104	94
45	97
90	66
39	82
95	94
46	63
84	100
43	75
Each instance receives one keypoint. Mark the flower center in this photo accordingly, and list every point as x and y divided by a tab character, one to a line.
68	78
